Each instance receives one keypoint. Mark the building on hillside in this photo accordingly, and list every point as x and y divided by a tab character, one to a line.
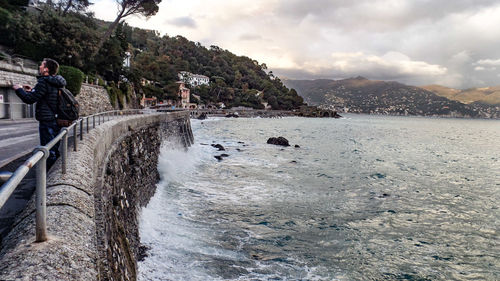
147	102
183	93
193	79
182	98
126	60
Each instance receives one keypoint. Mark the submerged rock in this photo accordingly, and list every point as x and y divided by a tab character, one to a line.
202	116
219	147
220	157
278	141
143	252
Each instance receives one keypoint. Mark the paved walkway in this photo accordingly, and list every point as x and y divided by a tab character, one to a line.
17	138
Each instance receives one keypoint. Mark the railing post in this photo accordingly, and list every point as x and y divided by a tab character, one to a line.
75	138
93	121
87	124
64	150
190	131
40	201
81	129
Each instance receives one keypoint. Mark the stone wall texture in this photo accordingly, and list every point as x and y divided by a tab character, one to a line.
93	99
92	210
9	78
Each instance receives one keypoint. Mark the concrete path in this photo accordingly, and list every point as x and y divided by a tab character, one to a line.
17	138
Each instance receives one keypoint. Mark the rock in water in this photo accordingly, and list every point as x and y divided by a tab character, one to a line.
202	116
220	157
219	147
278	141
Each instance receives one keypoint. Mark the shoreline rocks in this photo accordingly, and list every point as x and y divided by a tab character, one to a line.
278	141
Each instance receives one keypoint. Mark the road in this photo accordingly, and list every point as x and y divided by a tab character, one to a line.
16	139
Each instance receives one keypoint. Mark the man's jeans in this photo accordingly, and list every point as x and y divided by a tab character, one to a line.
48	131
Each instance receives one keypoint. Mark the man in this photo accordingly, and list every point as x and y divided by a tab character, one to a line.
45	96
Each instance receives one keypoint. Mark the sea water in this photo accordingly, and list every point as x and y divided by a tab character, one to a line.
362	198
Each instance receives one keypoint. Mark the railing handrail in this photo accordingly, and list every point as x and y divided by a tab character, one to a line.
42	153
8	102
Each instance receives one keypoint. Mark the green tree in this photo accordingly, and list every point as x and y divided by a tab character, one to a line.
74	5
70	40
109	60
126	8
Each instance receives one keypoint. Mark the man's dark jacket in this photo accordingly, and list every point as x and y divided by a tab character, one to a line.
45	95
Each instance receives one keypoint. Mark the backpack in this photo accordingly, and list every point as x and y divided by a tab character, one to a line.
67	109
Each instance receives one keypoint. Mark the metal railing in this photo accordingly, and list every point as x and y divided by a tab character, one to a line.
16	110
39	158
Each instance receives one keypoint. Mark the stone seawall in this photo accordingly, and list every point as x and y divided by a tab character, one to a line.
93	99
92	210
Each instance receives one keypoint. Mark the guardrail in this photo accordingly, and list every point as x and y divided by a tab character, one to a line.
39	158
8	110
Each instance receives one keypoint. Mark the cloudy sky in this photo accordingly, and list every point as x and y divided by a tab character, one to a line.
455	43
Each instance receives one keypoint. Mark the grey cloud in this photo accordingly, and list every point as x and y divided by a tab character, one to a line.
434	32
375	15
183	22
381	74
494	62
373	72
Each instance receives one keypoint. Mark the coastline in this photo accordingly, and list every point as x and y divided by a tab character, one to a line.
290	113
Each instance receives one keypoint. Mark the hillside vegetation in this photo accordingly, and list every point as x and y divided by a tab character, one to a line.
71	37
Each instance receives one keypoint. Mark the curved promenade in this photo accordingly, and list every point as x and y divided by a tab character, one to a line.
91	210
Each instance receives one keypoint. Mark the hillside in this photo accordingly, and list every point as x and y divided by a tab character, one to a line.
73	38
360	95
487	95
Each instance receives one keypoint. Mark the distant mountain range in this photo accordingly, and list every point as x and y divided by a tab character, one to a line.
487	95
360	95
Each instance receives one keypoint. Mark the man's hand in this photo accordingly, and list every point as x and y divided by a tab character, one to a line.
27	88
